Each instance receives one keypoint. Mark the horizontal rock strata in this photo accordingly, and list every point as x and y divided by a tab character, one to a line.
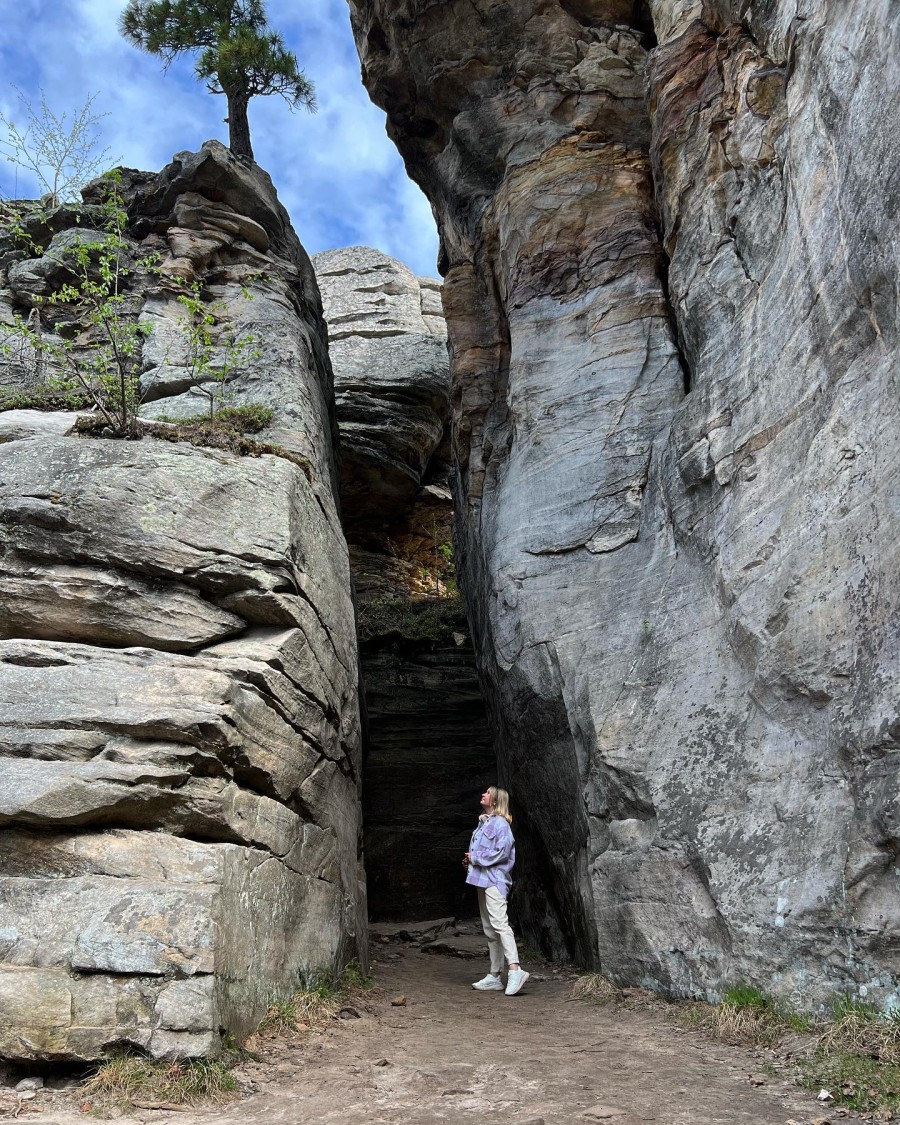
429	755
429	752
179	721
389	353
683	602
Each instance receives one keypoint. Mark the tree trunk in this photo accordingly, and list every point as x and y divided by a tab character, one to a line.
239	125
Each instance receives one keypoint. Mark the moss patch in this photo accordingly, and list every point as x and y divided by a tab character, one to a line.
43	398
431	621
227	429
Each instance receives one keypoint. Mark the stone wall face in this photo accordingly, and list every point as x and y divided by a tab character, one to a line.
179	719
429	754
388	348
682	601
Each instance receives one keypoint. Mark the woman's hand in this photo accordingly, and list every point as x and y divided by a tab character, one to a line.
467	859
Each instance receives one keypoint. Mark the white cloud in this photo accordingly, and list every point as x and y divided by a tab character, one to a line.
336	171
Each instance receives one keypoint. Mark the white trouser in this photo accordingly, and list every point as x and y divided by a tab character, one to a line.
497	929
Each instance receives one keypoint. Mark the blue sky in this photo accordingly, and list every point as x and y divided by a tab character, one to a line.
336	171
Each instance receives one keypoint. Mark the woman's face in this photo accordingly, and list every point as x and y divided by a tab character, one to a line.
487	800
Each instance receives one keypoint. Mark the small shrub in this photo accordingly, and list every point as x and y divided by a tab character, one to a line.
216	350
96	303
60	151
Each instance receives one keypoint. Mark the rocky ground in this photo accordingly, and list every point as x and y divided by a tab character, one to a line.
453	1055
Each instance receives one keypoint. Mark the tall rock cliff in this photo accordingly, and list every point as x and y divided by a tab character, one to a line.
179	720
669	234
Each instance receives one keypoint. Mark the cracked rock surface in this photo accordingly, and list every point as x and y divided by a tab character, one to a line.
179	718
388	348
669	236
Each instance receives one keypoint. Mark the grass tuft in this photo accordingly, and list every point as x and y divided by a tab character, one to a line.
314	1005
595	987
130	1079
856	1081
860	1029
855	1055
354	978
745	996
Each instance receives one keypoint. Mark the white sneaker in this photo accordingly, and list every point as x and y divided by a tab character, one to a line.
489	984
514	980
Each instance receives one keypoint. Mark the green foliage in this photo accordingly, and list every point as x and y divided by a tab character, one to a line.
746	997
855	1055
45	398
354	977
61	151
101	358
247	419
239	55
128	1079
215	350
859	1082
800	1021
424	620
851	1006
250	418
318	1000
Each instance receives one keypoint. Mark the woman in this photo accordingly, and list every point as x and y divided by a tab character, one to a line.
489	861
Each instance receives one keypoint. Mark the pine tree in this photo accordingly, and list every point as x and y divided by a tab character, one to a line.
239	55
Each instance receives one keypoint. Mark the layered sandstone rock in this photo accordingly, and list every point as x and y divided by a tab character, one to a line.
179	721
428	748
429	755
389	353
683	603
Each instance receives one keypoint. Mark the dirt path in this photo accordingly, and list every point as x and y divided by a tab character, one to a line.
455	1055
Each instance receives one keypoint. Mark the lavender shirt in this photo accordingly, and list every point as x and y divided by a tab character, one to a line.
493	852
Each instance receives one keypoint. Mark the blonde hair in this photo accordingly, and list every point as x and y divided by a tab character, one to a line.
500	803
